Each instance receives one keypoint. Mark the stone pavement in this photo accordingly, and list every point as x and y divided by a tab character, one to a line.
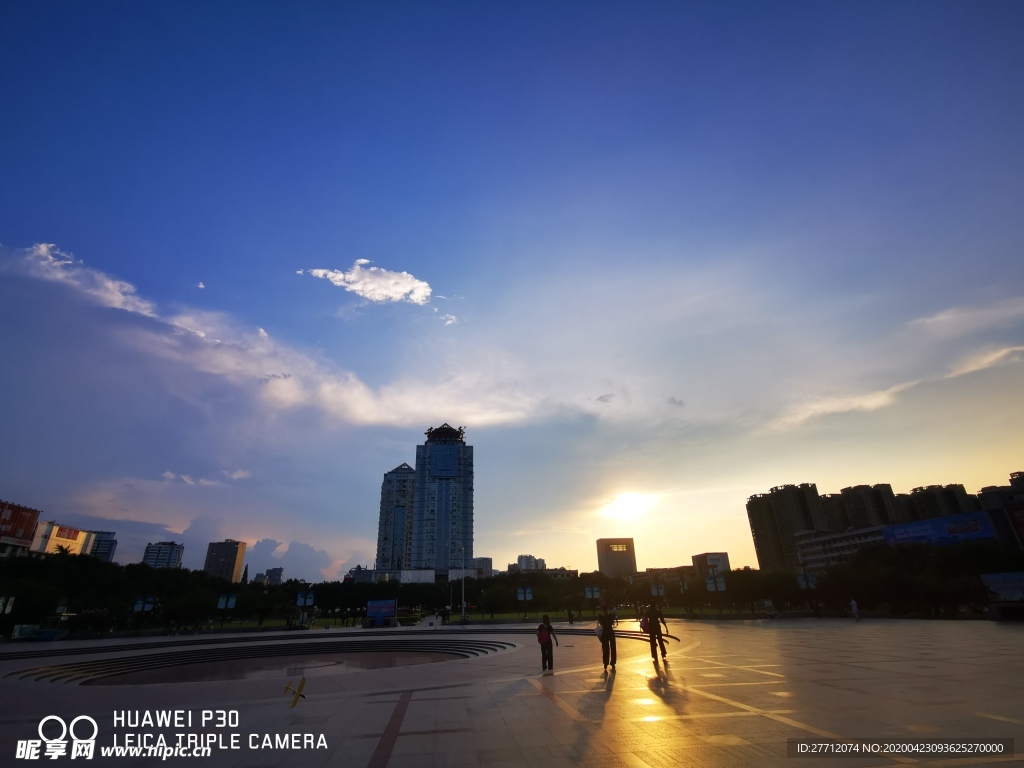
731	694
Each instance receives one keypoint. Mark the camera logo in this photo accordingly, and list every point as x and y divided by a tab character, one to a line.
57	746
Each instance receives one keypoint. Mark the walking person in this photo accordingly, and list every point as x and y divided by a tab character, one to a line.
545	635
606	623
855	610
655	621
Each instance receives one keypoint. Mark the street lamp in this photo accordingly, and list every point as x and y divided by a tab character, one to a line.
461	547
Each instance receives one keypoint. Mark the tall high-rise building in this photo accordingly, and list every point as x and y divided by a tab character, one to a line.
394	526
275	577
224	559
1005	508
442	517
932	501
616	557
777	517
164	554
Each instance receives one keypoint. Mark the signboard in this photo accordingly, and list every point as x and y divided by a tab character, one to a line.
715	584
231	601
529	593
378	610
63	532
521	594
714	562
309	598
1004	587
810	581
658	590
941	530
222	602
589	593
597	593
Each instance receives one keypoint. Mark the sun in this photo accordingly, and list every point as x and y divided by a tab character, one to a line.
629	506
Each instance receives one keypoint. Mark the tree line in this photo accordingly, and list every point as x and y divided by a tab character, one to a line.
915	579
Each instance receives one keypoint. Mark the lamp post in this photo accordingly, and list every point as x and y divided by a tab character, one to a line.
463	612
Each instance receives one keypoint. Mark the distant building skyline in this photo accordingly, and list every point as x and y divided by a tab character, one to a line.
616	557
224	560
164	554
793	526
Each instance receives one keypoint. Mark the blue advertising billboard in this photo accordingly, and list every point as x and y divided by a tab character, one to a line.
378	610
941	530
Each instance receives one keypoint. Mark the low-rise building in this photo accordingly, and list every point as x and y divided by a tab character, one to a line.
17	524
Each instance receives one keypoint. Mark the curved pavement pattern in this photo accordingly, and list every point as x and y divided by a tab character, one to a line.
731	694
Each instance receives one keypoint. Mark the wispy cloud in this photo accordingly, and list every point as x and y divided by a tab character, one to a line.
238	474
48	262
868	401
959	321
376	283
872	401
986	359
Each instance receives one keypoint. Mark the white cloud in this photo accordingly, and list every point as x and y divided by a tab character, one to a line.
188	480
986	359
200	285
238	474
263	334
377	284
450	319
959	321
872	401
169	475
47	262
868	401
204	481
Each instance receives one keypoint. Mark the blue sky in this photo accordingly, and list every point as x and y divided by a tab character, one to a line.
655	257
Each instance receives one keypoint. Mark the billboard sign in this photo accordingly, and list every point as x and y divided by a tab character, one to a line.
941	530
1004	587
808	581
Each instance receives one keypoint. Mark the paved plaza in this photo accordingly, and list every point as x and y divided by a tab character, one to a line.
730	694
